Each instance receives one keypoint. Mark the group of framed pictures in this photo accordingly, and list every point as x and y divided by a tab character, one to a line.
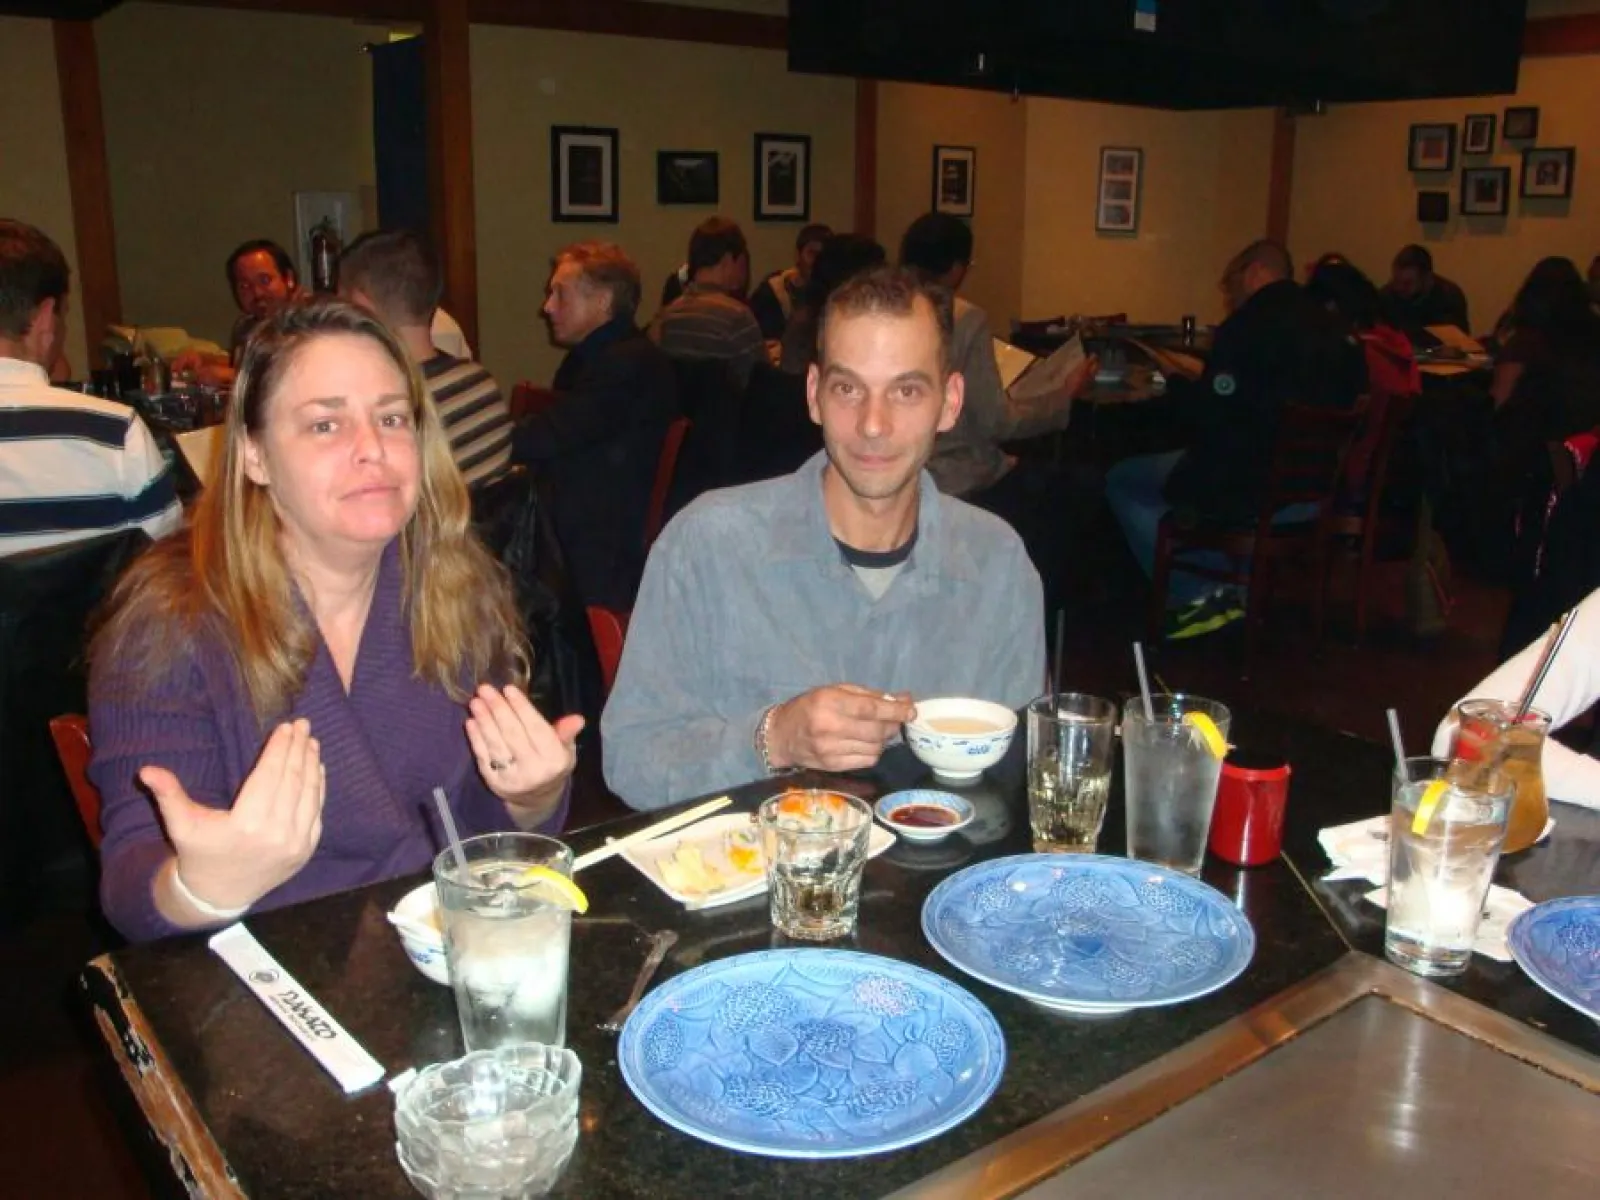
583	175
1486	190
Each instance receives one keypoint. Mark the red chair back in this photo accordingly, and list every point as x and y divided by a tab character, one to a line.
608	628
665	468
71	736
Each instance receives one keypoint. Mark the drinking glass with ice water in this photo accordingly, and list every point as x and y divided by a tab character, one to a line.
1446	825
1171	765
506	938
815	843
1071	738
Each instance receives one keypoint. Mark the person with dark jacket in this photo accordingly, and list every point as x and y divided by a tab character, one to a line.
1277	346
599	443
1415	297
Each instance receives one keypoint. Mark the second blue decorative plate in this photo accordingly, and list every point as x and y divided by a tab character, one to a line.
811	1053
1088	933
1558	944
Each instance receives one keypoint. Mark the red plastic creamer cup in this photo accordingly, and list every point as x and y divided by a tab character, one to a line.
1247	824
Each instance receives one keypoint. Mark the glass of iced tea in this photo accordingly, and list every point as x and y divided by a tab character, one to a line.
1071	743
815	843
1487	731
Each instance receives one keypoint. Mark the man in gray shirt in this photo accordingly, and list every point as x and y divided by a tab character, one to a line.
795	622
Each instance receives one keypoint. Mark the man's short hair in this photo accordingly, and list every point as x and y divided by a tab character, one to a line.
279	256
892	291
397	270
607	266
811	233
712	240
1414	258
32	270
1271	256
935	242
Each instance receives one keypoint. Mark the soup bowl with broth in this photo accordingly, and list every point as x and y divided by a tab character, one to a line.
958	737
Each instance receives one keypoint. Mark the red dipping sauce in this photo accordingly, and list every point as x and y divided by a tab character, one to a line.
923	816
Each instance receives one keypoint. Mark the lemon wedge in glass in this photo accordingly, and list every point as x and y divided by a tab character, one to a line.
1207	729
1431	795
560	889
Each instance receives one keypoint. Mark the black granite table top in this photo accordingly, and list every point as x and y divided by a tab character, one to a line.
285	1130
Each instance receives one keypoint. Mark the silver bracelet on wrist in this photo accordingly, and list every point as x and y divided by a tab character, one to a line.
763	752
210	911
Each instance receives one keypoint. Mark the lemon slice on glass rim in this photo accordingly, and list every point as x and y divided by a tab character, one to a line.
1208	732
561	889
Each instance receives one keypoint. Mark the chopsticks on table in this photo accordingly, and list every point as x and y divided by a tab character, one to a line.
650	832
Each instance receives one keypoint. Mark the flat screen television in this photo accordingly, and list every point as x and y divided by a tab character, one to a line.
1182	54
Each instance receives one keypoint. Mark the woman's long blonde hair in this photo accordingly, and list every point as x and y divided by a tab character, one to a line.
227	571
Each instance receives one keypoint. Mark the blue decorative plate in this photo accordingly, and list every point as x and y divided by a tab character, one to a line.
1558	944
811	1053
1087	933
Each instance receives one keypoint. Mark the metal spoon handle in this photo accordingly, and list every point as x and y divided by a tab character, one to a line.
663	942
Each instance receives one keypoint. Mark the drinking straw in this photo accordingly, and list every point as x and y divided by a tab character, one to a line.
1552	644
450	831
1144	682
1394	734
1061	637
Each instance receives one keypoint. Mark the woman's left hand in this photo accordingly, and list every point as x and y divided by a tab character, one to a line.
521	756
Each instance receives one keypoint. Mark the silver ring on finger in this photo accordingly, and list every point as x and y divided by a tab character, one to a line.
497	764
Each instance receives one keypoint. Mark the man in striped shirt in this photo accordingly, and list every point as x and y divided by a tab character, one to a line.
395	275
71	466
711	319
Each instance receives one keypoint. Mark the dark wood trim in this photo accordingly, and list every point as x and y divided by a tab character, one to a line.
1280	176
98	292
866	222
1561	35
623	18
448	77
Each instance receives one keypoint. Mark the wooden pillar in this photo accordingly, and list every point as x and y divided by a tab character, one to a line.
866	215
95	286
448	75
1280	185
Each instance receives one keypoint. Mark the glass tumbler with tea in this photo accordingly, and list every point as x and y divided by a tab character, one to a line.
815	844
1488	731
1071	746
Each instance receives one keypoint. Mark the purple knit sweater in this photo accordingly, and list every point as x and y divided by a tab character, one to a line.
386	745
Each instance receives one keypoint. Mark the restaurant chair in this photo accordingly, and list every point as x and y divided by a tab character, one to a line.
70	733
1360	519
1303	480
610	630
666	466
528	399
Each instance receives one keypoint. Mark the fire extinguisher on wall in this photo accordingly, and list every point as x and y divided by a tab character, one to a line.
325	250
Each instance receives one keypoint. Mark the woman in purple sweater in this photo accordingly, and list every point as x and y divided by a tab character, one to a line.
277	690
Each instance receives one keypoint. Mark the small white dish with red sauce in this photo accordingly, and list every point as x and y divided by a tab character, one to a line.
923	815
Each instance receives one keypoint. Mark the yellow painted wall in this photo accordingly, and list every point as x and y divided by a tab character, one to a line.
33	150
214	119
912	119
1204	198
660	96
1353	194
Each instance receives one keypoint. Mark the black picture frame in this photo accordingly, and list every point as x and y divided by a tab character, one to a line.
782	177
1432	147
955	179
583	173
1433	207
1485	191
687	177
1117	196
1477	133
1521	124
1547	172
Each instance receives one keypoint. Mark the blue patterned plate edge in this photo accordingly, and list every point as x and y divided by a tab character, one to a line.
1520	935
635	1029
1067	1004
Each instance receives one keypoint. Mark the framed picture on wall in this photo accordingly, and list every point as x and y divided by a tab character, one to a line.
1433	207
583	173
1433	148
686	177
1117	205
1485	191
955	179
1477	134
783	177
1522	124
1547	172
